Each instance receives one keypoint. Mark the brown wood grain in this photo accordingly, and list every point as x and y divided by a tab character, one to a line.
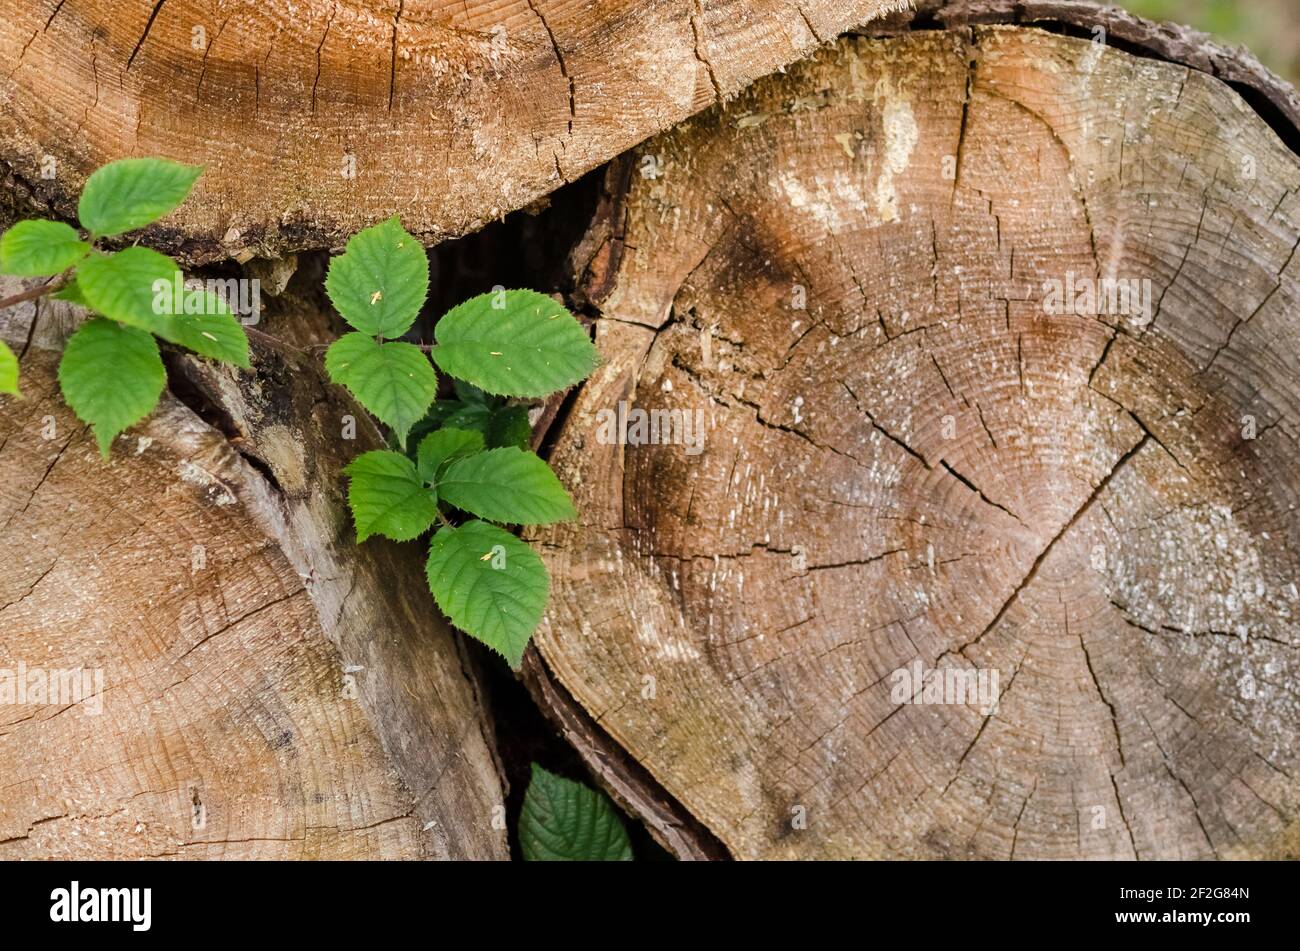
921	465
270	689
451	114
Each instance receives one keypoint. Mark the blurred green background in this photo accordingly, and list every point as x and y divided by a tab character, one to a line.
1269	28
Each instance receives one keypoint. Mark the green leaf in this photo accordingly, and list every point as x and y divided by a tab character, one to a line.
129	194
8	370
506	485
122	286
490	584
469	393
380	281
40	248
394	381
145	289
111	375
500	425
72	293
475	416
388	498
567	821
432	420
530	347
206	325
441	447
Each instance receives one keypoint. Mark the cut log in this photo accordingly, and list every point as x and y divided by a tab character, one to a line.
918	456
258	685
317	118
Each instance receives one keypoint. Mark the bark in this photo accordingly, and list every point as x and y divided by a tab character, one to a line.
269	688
917	464
315	119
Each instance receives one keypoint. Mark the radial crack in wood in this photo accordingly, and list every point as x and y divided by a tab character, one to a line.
233	677
917	455
316	118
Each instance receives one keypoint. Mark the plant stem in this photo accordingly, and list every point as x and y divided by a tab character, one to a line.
32	293
269	340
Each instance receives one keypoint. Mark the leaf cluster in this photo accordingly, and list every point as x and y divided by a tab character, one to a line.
111	372
461	462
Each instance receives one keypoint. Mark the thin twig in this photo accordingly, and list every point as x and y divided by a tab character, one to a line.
54	285
32	293
271	341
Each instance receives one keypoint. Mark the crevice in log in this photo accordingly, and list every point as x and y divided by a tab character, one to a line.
1047	549
530	717
182	386
534	717
669	823
526	248
564	69
153	15
695	15
392	68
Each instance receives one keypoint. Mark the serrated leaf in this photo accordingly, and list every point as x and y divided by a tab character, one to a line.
432	420
122	286
567	821
388	498
40	248
530	347
140	287
8	370
207	326
393	380
475	416
506	485
440	416
490	584
111	375
380	281
441	447
129	194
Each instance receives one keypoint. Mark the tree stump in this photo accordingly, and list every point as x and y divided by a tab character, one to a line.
317	118
926	448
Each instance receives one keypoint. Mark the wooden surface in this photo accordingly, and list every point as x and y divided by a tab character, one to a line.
269	689
923	465
451	114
